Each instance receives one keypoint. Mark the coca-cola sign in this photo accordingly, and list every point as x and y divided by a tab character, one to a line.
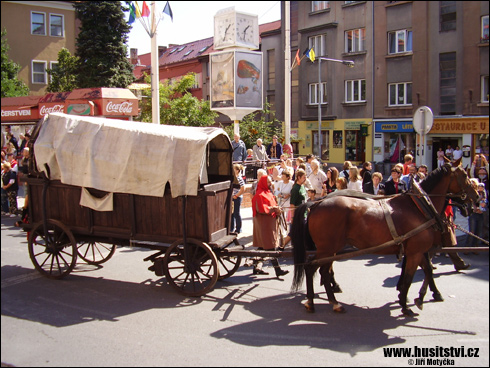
50	108
119	108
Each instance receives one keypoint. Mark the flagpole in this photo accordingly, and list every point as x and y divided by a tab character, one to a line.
287	75
155	81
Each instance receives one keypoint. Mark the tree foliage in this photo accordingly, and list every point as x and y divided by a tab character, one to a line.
64	75
101	45
12	86
260	124
177	105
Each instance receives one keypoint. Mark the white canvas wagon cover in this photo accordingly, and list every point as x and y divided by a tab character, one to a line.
121	156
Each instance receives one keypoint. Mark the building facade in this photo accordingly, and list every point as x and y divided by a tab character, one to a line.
407	54
36	33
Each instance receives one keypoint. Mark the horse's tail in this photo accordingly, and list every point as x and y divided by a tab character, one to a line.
301	241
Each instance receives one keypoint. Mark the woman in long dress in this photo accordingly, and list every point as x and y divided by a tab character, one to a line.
266	234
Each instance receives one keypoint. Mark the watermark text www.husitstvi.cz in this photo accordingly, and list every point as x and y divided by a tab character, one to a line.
438	355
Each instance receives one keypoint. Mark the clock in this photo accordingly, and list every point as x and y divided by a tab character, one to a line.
247	30
224	30
235	29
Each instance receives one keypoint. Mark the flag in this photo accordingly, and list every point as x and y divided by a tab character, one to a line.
298	60
132	13
311	54
146	10
137	9
167	10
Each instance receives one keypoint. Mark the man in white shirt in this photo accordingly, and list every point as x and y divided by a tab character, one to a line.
457	153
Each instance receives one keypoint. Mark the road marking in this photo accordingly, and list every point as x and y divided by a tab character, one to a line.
20	279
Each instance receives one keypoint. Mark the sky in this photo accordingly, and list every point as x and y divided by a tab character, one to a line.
194	20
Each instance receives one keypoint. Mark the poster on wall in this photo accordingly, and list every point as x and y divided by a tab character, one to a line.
248	79
337	139
222	83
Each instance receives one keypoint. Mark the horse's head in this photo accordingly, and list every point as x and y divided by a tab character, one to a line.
460	190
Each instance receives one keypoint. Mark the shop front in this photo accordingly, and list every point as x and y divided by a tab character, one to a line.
393	139
22	113
342	140
469	133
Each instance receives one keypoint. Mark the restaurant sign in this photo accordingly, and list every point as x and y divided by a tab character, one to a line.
460	126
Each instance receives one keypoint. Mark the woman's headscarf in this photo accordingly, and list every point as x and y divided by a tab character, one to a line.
263	198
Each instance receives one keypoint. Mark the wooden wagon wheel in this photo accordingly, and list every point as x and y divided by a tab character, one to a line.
193	269
54	254
228	265
95	253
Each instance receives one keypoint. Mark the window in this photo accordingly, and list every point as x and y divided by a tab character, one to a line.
399	41
271	66
399	94
447	83
355	40
325	144
188	52
53	65
319	5
484	28
355	90
314	93
38	23
484	88
39	72
56	25
319	44
447	13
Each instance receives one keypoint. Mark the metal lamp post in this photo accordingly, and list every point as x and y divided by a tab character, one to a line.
350	64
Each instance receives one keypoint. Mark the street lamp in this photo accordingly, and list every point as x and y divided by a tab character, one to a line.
348	63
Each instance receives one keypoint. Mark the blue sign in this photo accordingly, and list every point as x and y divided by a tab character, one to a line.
394	127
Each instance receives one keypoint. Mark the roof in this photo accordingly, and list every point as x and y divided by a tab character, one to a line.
190	51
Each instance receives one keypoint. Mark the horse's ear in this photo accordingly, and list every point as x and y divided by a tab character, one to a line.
466	168
457	162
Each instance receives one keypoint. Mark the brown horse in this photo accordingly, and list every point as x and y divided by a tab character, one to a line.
363	223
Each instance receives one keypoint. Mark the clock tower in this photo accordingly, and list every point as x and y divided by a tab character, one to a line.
236	70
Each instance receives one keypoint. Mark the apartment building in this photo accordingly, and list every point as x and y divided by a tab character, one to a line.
36	32
407	54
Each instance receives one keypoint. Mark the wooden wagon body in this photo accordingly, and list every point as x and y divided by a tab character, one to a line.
189	229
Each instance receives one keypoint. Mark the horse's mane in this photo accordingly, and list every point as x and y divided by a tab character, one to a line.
434	177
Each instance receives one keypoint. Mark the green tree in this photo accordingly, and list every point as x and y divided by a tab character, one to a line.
101	45
64	75
12	86
260	124
177	105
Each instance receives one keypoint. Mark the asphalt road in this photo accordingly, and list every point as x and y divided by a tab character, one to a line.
121	314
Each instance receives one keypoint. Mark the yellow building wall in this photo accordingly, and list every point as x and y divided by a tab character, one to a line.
303	135
25	47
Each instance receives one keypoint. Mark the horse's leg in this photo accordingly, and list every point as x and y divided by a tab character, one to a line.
327	272
310	292
335	287
404	262
412	263
428	281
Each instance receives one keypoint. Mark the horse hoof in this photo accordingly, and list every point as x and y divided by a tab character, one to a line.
310	308
438	297
337	289
463	267
339	310
419	303
408	312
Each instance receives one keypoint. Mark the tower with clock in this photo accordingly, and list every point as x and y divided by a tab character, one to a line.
236	70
